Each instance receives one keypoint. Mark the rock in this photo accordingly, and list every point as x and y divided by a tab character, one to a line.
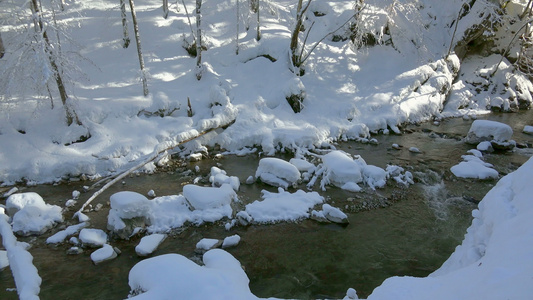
334	214
31	215
414	150
277	172
93	237
149	244
485	130
103	254
528	130
244	218
129	210
231	241
74	251
503	146
205	245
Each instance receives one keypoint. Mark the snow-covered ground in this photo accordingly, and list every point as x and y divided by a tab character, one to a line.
351	92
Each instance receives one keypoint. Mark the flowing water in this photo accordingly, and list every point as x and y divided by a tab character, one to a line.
392	231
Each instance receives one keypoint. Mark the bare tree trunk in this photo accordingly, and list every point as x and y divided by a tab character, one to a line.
125	35
258	31
295	33
139	51
198	40
71	115
2	49
237	35
165	9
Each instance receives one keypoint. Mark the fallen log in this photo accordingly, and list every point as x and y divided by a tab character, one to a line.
153	156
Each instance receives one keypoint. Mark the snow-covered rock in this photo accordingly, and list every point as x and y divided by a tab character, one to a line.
204	198
107	252
283	206
330	214
277	172
218	177
128	211
339	169
149	244
473	167
165	276
31	215
374	177
93	237
231	241
528	129
207	244
61	235
485	130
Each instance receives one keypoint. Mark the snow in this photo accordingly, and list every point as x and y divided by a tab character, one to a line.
528	129
277	172
485	130
231	241
204	198
93	237
61	235
473	166
102	254
31	215
493	261
218	177
4	262
340	169
149	244
207	244
26	276
283	206
165	276
351	92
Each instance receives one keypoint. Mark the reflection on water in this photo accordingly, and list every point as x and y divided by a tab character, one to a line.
392	231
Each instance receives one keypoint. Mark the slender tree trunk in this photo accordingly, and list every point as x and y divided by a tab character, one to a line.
237	35
165	9
300	11
198	39
125	35
71	115
2	49
258	31
139	51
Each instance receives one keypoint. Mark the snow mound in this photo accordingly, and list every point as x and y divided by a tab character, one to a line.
277	172
149	244
473	167
283	206
485	130
165	276
31	215
93	237
340	169
203	198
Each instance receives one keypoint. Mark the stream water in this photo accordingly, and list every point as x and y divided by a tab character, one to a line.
392	231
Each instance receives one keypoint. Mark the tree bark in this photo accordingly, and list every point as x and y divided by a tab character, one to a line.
2	49
165	9
139	51
125	35
198	39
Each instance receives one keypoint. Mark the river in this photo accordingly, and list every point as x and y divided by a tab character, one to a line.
392	231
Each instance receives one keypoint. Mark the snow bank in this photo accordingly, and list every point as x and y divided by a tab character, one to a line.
494	260
31	215
283	206
169	275
26	277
